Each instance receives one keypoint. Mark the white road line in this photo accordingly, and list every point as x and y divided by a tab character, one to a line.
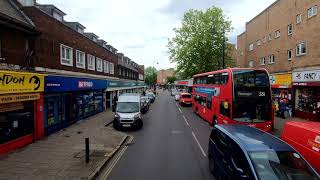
203	153
185	120
180	110
108	171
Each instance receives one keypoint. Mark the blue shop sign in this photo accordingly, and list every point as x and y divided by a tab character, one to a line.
124	84
59	83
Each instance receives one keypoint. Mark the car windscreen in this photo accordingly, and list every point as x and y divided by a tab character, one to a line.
186	96
127	107
280	165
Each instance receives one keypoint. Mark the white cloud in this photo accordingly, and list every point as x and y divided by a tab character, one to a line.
140	29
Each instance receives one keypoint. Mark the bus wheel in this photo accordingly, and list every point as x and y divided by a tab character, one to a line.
215	121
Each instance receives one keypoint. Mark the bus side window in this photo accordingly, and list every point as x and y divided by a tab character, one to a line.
225	110
209	102
204	101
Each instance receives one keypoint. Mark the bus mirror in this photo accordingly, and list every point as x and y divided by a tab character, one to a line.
226	105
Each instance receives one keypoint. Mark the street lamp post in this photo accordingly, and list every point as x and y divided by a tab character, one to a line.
223	49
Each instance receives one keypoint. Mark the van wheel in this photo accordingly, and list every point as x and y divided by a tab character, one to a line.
116	125
139	125
212	166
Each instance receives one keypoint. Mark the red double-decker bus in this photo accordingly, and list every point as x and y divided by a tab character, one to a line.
234	96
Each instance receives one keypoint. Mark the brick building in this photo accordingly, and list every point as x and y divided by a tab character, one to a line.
284	39
163	74
53	73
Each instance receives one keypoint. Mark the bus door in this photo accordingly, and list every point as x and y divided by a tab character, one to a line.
202	107
209	109
224	112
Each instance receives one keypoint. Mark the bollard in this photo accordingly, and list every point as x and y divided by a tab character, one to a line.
87	150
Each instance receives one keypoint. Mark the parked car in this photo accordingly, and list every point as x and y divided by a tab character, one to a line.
244	152
151	96
305	138
185	99
145	104
173	91
127	114
177	96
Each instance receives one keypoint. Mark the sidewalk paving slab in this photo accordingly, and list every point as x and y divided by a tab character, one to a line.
62	155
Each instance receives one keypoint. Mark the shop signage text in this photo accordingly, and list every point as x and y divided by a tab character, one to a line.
208	91
19	97
281	80
85	84
306	76
17	82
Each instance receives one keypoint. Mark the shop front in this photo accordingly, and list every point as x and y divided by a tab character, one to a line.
306	87
116	88
21	109
68	100
281	85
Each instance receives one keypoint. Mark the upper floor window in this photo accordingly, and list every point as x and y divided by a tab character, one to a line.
290	29
277	34
301	49
111	68
99	65
80	30
95	39
57	16
289	55
91	62
271	59
263	61
66	53
251	47
312	11
80	59
270	37
298	19
106	67
259	42
264	39
251	64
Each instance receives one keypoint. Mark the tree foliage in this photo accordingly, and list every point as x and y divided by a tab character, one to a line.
197	45
171	79
150	75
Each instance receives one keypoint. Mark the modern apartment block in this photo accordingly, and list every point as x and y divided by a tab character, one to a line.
284	39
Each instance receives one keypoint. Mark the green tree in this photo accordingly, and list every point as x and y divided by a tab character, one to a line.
171	79
198	44
150	75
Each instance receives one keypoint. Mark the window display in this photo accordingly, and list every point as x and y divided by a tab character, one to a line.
308	100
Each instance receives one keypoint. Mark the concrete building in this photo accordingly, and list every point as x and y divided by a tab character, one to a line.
163	74
284	39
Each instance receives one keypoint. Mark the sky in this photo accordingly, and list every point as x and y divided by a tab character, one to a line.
141	28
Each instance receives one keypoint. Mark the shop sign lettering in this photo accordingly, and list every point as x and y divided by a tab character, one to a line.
306	76
85	84
19	98
17	82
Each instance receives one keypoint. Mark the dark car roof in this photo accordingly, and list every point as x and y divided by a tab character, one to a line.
253	139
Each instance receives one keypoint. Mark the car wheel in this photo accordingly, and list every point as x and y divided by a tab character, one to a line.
212	166
139	125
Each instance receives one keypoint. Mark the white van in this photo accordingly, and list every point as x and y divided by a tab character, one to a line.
128	112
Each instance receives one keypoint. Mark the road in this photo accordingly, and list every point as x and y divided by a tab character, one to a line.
172	145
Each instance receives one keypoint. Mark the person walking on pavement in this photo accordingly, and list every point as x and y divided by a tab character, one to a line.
114	101
282	108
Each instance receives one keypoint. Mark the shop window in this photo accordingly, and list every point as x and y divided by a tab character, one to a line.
308	100
16	121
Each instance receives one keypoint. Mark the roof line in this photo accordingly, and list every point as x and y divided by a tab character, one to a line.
24	16
263	11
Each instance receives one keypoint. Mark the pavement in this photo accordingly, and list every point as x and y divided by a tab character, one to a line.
171	145
62	155
280	122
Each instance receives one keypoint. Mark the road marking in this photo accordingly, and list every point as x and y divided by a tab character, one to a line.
185	120
113	164
180	110
203	153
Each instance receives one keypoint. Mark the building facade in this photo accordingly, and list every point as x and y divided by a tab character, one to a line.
53	73
283	39
163	74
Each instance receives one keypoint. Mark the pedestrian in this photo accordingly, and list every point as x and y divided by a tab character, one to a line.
144	93
276	106
289	109
114	102
282	109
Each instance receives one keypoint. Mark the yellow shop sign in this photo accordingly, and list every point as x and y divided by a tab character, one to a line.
20	82
18	97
